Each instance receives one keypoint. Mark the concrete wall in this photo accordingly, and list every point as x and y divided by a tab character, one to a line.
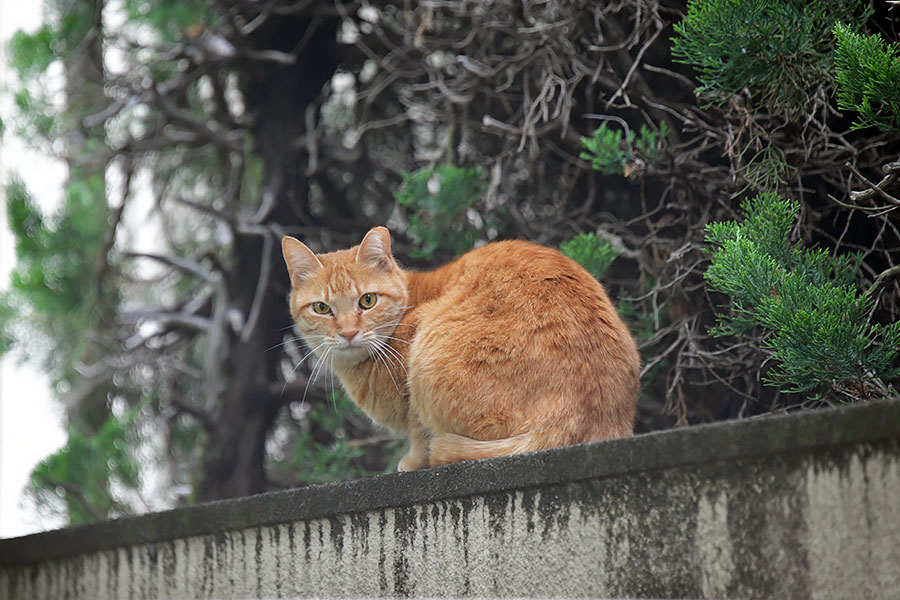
799	506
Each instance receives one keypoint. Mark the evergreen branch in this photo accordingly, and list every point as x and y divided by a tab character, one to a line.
79	495
822	335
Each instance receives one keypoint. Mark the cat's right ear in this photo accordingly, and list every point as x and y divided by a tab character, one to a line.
301	261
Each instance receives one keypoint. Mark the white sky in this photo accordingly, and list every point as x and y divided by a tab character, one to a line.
30	426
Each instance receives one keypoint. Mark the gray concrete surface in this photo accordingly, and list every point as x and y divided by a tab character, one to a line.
797	506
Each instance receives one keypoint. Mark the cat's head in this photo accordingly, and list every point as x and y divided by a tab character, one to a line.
346	304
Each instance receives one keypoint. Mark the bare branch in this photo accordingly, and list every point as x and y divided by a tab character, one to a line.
262	285
204	417
186	266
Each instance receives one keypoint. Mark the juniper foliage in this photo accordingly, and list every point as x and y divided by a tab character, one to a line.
442	217
868	77
85	470
613	152
778	49
820	334
592	252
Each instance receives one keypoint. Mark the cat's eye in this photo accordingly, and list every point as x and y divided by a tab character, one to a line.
368	300
320	308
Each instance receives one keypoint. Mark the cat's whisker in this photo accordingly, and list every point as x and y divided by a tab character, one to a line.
393	352
392	355
297	366
395	322
391	324
333	388
384	358
317	369
298	338
331	396
373	337
396	339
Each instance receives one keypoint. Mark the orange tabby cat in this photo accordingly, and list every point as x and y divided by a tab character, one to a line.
512	347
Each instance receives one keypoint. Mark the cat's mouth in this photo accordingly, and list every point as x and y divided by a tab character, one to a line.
348	352
353	343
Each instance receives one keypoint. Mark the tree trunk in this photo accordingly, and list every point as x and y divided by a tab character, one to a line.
84	95
277	96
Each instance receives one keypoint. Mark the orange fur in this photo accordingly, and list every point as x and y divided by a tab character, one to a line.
510	348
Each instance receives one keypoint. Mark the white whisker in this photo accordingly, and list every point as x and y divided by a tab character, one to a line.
379	351
391	324
297	366
298	338
396	339
394	354
317	369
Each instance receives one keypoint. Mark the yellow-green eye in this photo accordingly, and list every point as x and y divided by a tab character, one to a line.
320	308
368	300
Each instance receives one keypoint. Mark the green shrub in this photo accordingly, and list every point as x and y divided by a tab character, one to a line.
440	200
868	77
593	253
83	471
316	462
817	324
610	154
779	49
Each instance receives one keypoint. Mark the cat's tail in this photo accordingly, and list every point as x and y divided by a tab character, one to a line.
450	448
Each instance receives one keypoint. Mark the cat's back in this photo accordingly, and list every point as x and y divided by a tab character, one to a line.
519	294
516	272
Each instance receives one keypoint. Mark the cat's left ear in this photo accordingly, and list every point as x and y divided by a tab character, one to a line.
375	249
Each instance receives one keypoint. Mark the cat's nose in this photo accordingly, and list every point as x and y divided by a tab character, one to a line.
349	334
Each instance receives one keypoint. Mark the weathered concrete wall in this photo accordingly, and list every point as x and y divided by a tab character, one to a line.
800	506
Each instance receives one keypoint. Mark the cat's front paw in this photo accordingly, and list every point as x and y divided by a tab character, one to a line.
410	463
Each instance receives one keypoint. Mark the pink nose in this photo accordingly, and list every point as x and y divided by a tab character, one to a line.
349	335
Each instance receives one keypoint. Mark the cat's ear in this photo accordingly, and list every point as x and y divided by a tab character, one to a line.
375	249
300	260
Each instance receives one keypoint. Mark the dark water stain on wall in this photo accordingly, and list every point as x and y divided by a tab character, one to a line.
79	572
438	515
498	508
275	540
306	541
359	534
336	531
112	583
292	539
259	562
382	553
423	529
553	508
170	563
529	497
224	547
404	534
207	576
